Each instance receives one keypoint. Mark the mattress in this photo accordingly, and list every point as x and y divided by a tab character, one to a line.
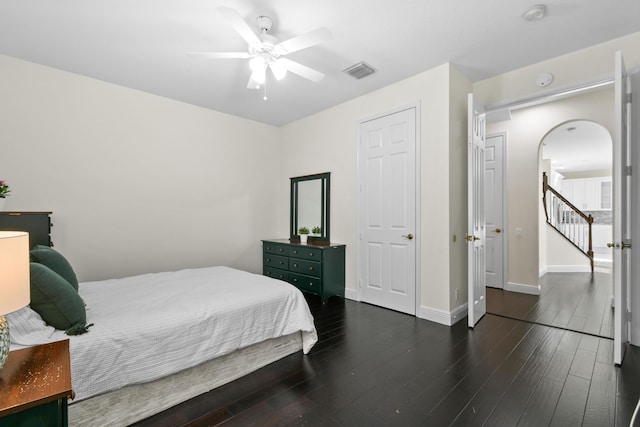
149	326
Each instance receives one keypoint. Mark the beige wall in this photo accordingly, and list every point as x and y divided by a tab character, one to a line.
136	182
525	132
578	67
328	141
142	183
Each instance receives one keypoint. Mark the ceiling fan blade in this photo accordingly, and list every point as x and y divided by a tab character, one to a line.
304	41
221	55
237	23
302	70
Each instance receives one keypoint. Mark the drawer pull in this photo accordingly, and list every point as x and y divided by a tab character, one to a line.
310	253
268	248
295	252
310	284
295	265
311	268
268	259
281	262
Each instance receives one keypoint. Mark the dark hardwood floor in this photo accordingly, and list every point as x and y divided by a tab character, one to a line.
376	367
576	301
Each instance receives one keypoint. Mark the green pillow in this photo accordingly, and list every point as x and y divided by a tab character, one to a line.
55	300
54	260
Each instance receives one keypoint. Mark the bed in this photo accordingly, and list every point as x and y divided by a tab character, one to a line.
159	339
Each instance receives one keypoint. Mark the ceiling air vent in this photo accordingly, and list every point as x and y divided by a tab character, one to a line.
360	70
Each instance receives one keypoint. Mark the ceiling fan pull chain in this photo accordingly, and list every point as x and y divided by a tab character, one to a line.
265	90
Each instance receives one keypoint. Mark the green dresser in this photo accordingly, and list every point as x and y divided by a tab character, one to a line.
38	224
315	269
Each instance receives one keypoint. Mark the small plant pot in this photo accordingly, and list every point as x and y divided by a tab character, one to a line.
303	238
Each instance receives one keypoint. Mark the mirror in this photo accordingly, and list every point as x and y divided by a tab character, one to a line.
310	206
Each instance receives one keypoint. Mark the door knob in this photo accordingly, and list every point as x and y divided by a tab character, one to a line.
612	245
408	236
472	238
498	230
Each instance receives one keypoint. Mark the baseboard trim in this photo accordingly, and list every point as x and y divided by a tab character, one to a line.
433	315
567	269
351	294
523	289
443	317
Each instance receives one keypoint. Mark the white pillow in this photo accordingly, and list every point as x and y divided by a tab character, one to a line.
27	328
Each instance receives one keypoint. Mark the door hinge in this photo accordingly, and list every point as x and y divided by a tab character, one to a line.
629	98
628	170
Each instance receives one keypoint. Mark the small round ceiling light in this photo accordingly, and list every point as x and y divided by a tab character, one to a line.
535	13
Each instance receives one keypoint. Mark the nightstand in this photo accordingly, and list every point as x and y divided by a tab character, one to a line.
35	384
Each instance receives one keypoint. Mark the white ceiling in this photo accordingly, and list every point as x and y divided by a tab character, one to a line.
578	146
143	44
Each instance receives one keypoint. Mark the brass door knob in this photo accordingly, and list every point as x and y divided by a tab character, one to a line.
408	236
612	245
498	230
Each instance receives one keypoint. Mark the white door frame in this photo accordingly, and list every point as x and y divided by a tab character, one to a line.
418	204
505	204
621	255
634	294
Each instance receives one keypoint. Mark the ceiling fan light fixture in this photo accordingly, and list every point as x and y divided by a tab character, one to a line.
260	76
278	69
257	63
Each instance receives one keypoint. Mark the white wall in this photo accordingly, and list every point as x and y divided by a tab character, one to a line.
136	182
327	142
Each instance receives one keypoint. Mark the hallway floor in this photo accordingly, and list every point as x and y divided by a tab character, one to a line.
578	302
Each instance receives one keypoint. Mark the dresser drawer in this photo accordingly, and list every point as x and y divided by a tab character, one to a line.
275	273
306	253
275	248
277	261
305	283
302	266
313	269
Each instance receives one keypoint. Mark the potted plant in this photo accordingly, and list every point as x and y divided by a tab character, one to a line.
4	192
316	231
304	233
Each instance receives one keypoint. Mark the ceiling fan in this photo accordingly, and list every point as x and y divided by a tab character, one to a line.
265	51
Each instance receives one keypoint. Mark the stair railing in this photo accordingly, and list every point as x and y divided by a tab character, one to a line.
568	220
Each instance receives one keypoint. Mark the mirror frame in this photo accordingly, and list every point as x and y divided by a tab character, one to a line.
325	181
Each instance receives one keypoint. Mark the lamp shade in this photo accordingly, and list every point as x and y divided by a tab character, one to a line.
14	271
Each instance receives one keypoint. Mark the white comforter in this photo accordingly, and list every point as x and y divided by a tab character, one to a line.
149	326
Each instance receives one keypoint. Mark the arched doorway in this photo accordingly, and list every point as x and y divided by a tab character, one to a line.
577	158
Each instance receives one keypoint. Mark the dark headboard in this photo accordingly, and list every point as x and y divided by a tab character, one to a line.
37	224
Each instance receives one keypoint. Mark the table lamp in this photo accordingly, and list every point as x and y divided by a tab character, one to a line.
14	281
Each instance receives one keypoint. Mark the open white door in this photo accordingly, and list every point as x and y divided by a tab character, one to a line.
494	210
477	306
621	230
